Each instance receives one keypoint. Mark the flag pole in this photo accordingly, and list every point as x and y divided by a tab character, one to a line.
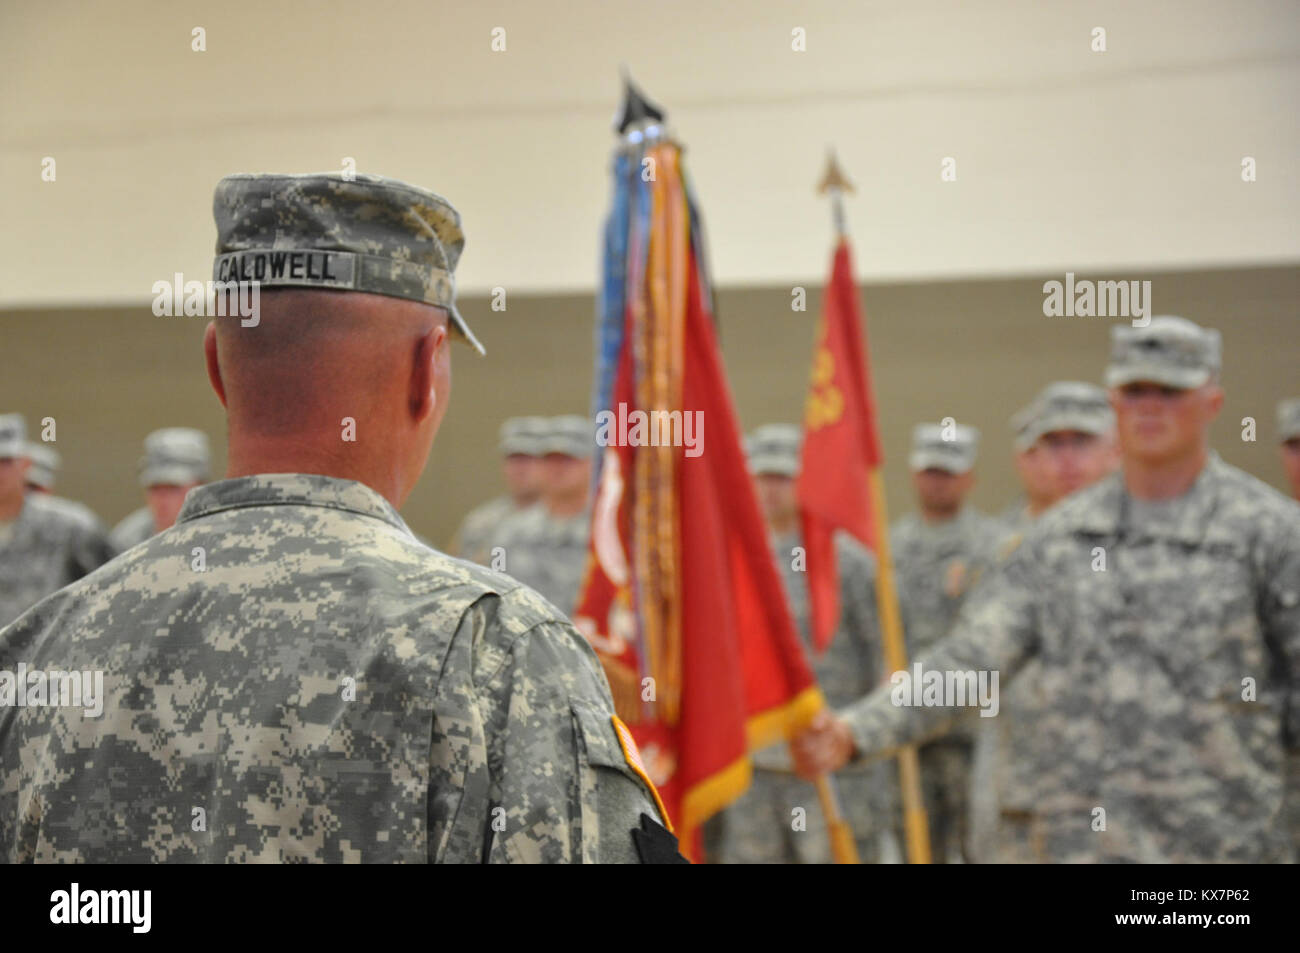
915	826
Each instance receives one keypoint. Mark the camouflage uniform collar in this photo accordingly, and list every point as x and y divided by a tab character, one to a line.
288	489
1105	512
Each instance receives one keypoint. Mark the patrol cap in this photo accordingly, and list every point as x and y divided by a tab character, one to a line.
321	230
1170	350
1288	419
1068	405
45	465
1021	423
774	449
570	435
523	435
931	451
13	436
175	456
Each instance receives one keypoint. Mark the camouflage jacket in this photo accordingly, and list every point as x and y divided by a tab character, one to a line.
477	533
852	665
1167	685
52	542
289	676
134	529
546	553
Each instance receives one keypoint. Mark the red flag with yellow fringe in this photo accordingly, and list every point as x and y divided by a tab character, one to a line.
841	447
682	599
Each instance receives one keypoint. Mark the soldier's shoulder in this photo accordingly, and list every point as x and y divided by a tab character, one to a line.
904	528
490	512
79	513
852	555
1245	493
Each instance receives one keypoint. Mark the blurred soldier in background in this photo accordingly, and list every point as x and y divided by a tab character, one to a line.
1069	429
939	553
760	826
1288	430
1163	605
46	542
175	461
41	478
44	470
1031	469
521	464
287	657
545	545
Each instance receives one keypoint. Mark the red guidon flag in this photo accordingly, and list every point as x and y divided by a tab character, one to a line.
841	446
681	599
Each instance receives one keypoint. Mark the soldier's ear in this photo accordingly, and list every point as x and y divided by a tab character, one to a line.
214	368
429	353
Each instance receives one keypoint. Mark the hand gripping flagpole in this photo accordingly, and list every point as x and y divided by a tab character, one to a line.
915	826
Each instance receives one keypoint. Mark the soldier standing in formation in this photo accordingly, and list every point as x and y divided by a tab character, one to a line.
287	662
779	819
175	461
939	553
520	442
1163	607
545	546
46	541
1069	429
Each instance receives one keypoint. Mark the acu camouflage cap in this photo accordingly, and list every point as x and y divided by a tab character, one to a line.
570	435
1067	405
523	435
1170	350
13	436
935	447
1288	419
175	456
361	233
774	449
45	465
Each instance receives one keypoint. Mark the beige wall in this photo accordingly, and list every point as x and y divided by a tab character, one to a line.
975	350
1067	159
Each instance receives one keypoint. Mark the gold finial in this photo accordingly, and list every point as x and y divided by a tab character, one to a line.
833	177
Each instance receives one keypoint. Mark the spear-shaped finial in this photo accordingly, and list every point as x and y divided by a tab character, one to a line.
836	183
636	109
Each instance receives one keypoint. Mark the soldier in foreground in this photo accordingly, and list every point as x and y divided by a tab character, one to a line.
1162	605
176	460
939	553
520	441
1069	430
288	674
1288	429
759	827
545	546
46	542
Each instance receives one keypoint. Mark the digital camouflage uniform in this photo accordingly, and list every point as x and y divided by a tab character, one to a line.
936	566
228	689
758	827
52	542
995	834
289	659
133	529
546	552
477	534
1139	683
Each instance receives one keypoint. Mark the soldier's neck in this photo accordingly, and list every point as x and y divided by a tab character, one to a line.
384	476
1163	479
